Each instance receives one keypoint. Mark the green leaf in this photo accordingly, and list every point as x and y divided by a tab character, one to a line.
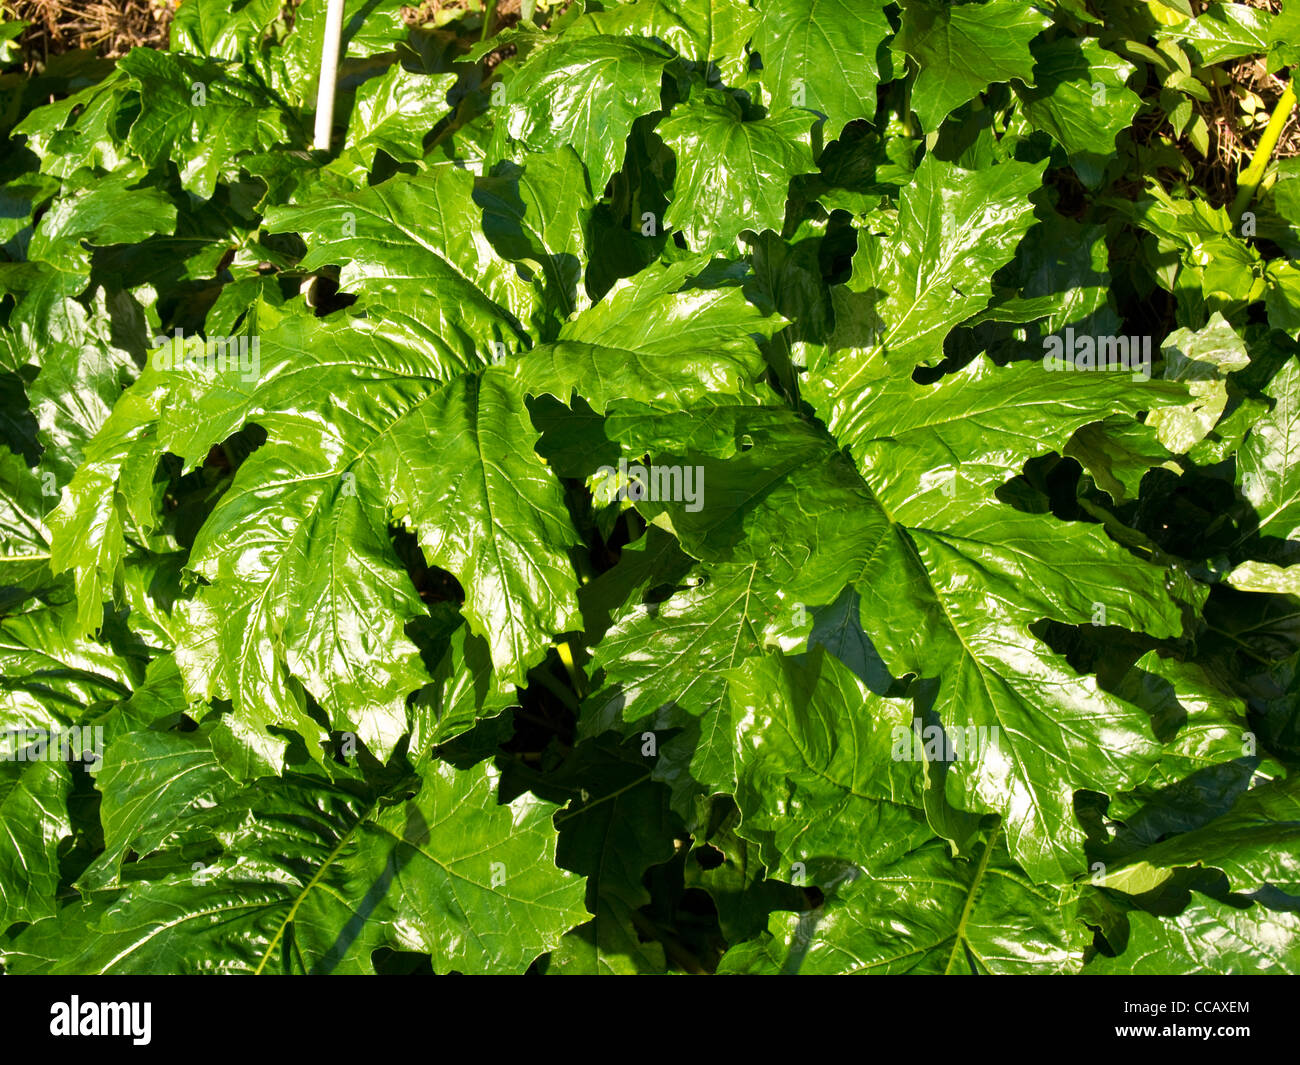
86	360
202	114
303	582
51	677
655	402
961	49
1223	32
212	28
615	826
1270	471
585	93
1204	359
304	877
410	236
1265	577
948	535
1282	296
536	216
393	113
33	810
26	496
1118	452
1254	844
474	885
464	474
823	57
819	780
732	174
464	690
655	339
955	228
700	30
89	526
81	130
670	658
927	914
1208	937
105	211
151	783
1281	34
1206	763
370	27
1082	101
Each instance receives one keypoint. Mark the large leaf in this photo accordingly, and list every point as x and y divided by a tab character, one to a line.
33	822
819	780
397	242
305	877
302	574
1209	937
1224	31
701	30
961	49
369	27
1270	472
586	93
1203	359
615	826
1081	99
732	174
213	28
955	228
654	338
823	57
1254	844
393	113
200	113
926	914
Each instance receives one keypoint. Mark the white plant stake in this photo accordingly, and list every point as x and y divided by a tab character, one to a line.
329	74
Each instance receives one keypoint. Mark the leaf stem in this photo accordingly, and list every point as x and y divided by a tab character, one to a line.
557	689
575	674
1250	179
329	73
909	127
293	910
1242	646
959	936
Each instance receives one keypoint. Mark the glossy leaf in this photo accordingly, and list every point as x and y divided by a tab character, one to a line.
587	93
823	58
202	114
946	917
1209	937
963	48
1270	475
310	879
1082	100
732	174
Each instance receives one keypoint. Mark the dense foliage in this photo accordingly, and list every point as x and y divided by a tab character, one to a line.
613	512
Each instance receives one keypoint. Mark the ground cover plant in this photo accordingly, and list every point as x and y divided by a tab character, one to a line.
677	486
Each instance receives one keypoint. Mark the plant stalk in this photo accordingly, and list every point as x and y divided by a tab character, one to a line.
329	74
1250	179
565	650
